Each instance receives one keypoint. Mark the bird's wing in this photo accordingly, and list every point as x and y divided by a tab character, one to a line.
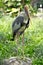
17	22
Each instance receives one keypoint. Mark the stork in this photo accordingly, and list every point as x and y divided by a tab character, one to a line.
21	22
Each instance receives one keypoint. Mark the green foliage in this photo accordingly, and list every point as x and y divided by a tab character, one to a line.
33	41
38	55
33	36
9	6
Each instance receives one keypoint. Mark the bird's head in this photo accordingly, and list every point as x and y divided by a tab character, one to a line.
26	10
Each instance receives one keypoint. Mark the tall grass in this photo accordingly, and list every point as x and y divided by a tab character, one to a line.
33	40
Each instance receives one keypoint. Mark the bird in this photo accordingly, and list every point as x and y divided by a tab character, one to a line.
20	23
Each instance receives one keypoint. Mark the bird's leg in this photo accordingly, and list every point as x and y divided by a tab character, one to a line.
17	37
23	45
22	33
23	39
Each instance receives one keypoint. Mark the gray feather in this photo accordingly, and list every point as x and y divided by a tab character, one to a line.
17	23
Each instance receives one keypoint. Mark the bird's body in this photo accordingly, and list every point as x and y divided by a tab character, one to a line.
20	23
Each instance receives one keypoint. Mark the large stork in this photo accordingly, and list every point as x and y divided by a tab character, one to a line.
21	22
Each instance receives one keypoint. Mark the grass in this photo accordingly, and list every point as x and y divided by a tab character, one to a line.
33	40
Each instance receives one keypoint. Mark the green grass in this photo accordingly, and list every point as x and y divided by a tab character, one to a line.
33	41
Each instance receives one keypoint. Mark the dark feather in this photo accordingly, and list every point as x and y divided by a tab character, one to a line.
19	26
